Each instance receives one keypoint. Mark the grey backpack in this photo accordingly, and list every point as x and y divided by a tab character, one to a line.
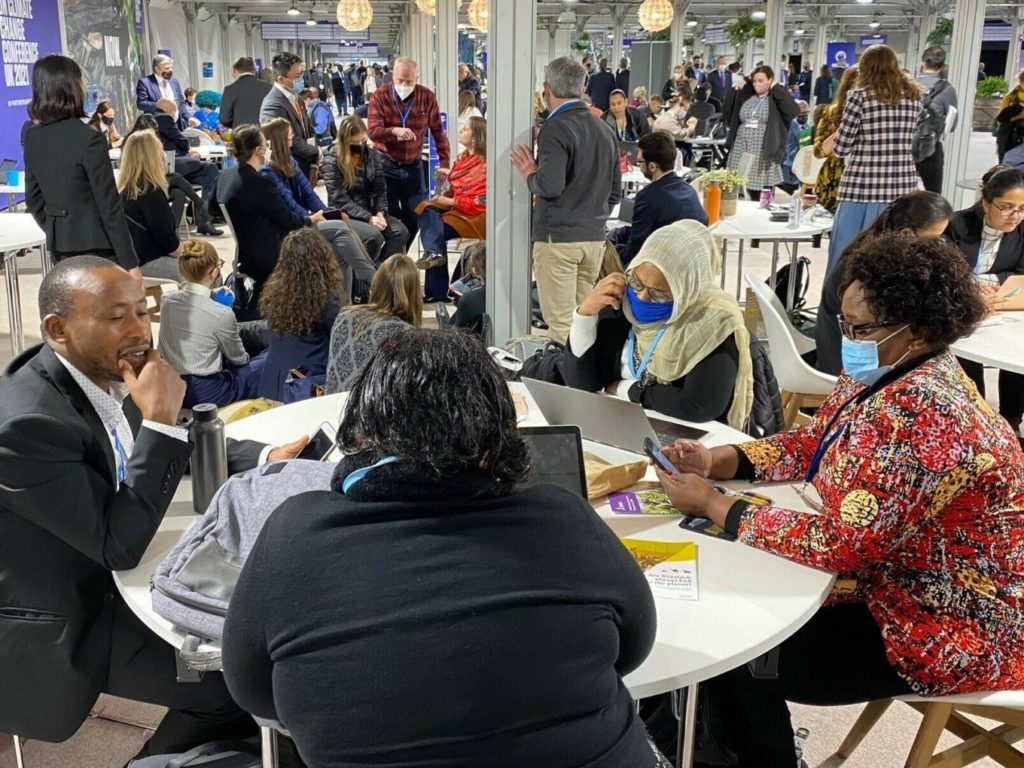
192	586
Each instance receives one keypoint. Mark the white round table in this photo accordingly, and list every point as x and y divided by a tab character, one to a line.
996	345
752	222
750	601
18	233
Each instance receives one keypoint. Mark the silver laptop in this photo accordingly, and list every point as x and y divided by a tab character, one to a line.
603	419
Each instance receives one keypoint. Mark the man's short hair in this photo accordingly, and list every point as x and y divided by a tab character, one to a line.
407	60
161	59
656	97
283	63
307	93
565	77
57	291
659	148
735	67
934	58
245	64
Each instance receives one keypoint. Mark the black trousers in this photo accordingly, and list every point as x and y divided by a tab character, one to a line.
836	658
1011	390
930	170
142	668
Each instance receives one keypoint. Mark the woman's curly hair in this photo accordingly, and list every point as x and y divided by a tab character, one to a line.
208	99
301	285
924	283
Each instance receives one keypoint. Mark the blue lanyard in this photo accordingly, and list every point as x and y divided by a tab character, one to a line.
403	116
830	436
122	463
637	373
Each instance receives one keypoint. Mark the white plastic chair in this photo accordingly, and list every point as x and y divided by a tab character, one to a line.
947	713
806	166
800	384
195	133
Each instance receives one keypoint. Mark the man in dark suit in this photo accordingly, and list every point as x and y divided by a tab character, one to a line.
283	101
622	76
667	199
469	83
187	163
804	81
720	81
243	99
92	457
162	84
601	85
695	71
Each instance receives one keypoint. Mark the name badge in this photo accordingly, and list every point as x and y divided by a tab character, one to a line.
752	123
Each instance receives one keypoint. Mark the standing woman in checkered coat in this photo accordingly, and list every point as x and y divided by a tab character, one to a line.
874	138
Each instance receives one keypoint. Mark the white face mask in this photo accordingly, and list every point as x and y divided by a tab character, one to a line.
174	115
266	157
404	91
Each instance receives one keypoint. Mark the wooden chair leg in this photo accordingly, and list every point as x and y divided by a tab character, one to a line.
868	717
790	408
932	726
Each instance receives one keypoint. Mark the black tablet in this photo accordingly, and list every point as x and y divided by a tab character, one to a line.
557	456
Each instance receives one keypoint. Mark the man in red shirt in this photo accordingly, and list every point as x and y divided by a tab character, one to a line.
398	121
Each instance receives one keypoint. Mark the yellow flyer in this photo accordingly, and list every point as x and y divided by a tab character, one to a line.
670	567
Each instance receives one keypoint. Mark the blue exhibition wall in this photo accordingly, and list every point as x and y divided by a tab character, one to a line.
29	29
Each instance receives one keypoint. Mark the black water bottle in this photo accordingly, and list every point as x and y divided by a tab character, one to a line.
209	455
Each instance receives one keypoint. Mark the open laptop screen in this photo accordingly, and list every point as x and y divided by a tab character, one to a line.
557	456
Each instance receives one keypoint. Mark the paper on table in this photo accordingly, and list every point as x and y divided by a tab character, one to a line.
670	567
991	320
522	409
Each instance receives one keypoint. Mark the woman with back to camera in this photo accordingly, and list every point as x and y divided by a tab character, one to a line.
259	215
102	120
395	305
300	303
758	117
353	173
69	185
826	186
433	615
142	185
923	214
199	335
874	139
990	235
664	334
915	495
825	86
294	187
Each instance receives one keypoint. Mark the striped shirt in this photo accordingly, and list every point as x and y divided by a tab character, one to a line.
197	333
418	113
875	139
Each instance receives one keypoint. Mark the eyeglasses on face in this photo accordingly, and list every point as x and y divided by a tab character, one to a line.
851	330
656	294
1009	211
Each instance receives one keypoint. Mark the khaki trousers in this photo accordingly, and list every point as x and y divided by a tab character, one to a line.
566	273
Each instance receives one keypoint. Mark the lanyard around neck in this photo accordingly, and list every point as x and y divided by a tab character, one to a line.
403	116
637	373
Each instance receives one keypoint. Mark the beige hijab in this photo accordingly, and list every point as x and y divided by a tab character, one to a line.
703	315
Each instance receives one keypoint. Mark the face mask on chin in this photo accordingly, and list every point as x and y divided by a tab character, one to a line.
167	75
404	91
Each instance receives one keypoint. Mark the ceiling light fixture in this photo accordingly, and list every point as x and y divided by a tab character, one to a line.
691	23
310	22
798	32
354	15
293	11
759	15
865	2
479	14
655	15
874	24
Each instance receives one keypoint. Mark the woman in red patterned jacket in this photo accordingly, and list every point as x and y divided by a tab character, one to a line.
920	486
461	211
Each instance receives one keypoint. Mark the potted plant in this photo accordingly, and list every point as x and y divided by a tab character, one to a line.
730	182
743	29
986	101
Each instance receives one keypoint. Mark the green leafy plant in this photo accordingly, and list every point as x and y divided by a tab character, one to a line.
743	29
943	32
729	181
662	35
583	43
992	87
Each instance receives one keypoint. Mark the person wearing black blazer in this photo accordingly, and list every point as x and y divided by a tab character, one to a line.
260	217
243	99
720	81
990	235
186	164
92	459
69	184
282	101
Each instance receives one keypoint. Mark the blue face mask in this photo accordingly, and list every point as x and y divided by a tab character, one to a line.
297	85
648	311
359	474
860	359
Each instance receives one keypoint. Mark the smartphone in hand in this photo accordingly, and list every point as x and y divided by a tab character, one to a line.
659	458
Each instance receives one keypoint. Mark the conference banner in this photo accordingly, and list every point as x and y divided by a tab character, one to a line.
28	29
106	38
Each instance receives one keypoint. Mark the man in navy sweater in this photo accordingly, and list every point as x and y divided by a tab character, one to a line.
666	199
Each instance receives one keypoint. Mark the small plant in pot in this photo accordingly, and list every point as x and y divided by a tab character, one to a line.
731	183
